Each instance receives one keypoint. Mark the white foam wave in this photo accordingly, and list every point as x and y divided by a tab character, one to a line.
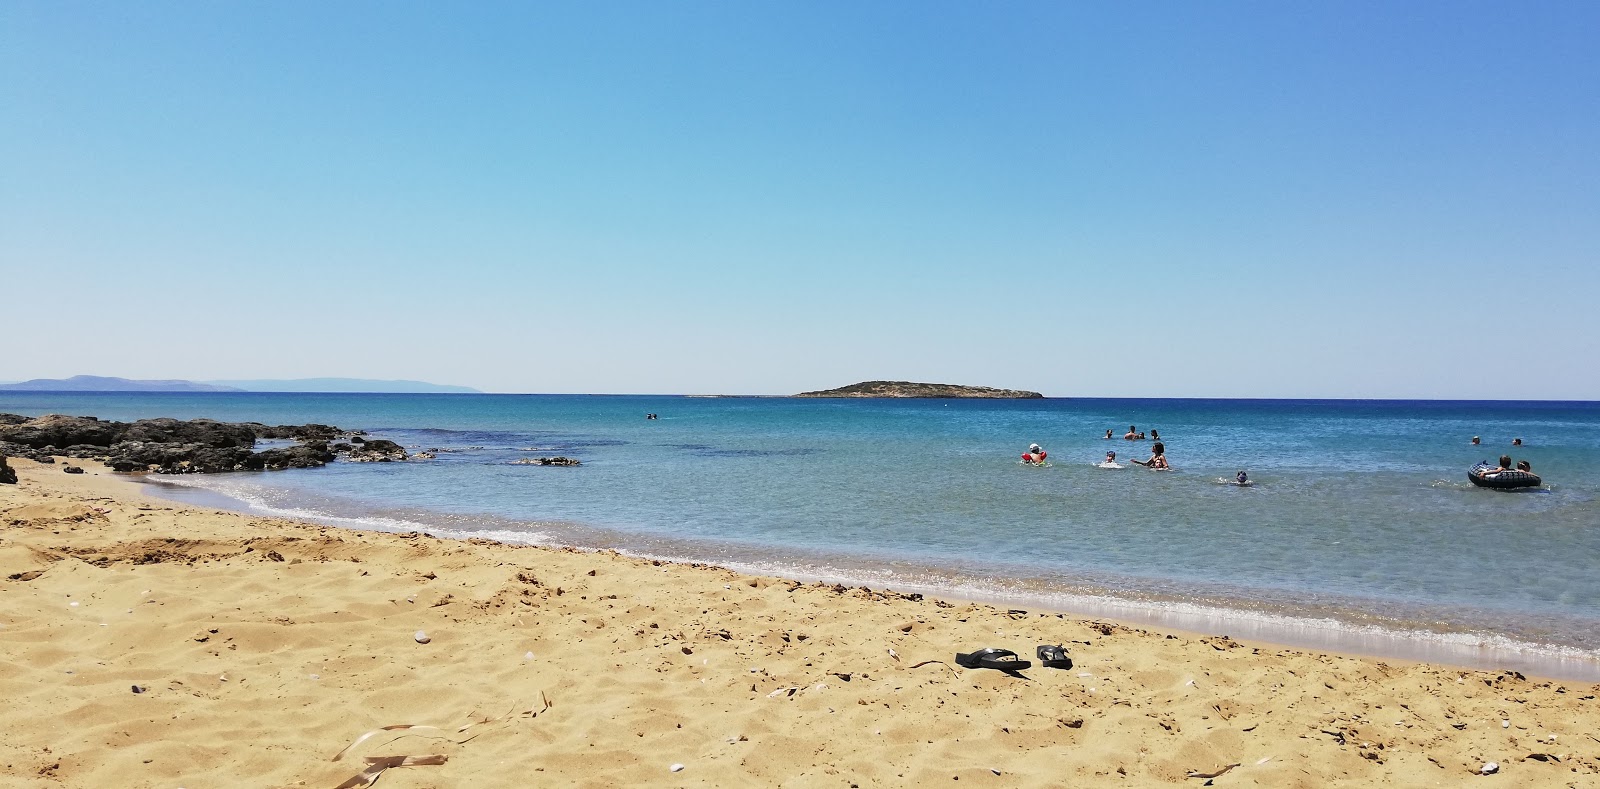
258	501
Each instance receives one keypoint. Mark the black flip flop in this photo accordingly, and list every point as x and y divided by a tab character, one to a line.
1052	656
1002	659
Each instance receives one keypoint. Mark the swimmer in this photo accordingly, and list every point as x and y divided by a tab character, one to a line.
1476	441
1108	432
1155	435
1158	457
1133	433
1242	478
1525	466
1516	442
1035	455
1111	457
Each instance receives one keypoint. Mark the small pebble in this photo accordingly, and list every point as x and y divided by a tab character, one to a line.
1489	768
137	689
74	604
1505	724
421	637
316	676
677	768
527	656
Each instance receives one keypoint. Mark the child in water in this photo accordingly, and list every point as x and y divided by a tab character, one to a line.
1243	478
1034	455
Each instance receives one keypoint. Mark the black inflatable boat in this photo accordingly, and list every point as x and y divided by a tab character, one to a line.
1502	480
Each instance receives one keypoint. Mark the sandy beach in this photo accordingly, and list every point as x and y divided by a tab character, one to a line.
152	644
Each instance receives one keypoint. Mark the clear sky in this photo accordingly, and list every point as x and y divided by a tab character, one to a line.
1260	199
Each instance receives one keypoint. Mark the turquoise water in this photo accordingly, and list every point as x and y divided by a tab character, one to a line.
1361	532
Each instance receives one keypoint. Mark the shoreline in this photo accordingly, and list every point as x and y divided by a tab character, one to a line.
268	645
1331	634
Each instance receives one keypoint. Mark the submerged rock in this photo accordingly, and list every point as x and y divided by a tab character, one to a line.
555	461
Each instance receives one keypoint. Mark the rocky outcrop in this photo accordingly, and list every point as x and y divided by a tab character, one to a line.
913	389
57	430
174	446
193	446
555	461
8	475
20	451
376	450
308	455
311	432
176	458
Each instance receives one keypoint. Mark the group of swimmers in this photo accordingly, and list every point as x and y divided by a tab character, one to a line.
1516	442
1133	434
1036	455
1505	460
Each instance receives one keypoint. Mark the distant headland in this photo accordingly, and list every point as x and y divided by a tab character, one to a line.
914	389
97	383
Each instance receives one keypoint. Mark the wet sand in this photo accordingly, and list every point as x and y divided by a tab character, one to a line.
261	648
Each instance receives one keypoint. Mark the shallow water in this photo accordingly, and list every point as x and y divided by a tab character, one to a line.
1360	532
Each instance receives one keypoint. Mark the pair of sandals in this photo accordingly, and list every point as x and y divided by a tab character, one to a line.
1050	656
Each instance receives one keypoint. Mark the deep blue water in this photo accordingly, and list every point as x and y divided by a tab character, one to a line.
1361	531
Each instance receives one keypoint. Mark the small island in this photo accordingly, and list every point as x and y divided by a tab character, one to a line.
913	389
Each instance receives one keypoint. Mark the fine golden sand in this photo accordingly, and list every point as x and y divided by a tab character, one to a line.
261	648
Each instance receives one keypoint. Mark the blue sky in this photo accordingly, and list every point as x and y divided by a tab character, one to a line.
1155	199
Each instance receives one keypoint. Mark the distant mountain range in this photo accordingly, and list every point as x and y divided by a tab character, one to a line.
346	385
96	383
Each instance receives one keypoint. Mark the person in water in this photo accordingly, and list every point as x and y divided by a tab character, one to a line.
1111	457
1132	434
1035	455
1505	465
1516	442
1155	435
1476	441
1525	466
1108	432
1242	478
1158	457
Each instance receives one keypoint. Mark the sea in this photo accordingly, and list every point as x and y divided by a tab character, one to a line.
1360	533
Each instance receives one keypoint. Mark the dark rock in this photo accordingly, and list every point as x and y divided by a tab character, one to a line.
208	432
309	455
20	451
358	440
56	430
376	450
72	469
555	461
342	447
171	458
8	475
12	419
311	432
